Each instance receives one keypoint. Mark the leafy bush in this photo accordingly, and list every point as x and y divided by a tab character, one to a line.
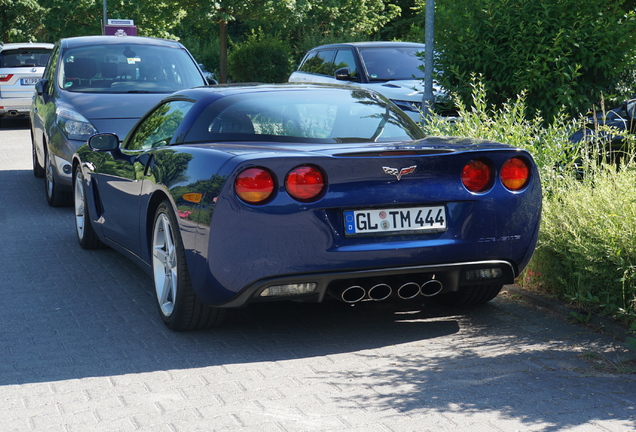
561	53
586	253
260	59
205	52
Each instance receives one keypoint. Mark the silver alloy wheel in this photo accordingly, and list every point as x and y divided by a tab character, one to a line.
80	205
164	264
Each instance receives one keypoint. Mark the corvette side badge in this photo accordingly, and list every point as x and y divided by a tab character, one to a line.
399	172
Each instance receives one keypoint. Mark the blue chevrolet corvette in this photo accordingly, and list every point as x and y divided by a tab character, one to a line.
229	195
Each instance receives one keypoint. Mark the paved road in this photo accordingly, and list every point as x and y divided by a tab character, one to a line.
82	348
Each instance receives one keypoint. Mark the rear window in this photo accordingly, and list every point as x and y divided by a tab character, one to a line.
128	69
326	115
24	57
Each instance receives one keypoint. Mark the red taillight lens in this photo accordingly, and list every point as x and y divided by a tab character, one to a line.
305	183
5	77
515	173
254	185
477	176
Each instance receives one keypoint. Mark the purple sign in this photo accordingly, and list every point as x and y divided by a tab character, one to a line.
122	30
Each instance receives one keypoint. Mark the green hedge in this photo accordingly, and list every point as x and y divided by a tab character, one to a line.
586	252
260	58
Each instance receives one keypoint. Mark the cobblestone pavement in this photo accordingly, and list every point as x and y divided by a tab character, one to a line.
83	348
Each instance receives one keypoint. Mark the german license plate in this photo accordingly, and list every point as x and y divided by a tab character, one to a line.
29	81
411	220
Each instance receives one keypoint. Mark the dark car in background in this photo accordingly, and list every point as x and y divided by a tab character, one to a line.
229	195
393	69
21	66
99	84
618	121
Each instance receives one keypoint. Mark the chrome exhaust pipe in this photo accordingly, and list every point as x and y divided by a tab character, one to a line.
351	294
380	292
408	291
431	288
12	113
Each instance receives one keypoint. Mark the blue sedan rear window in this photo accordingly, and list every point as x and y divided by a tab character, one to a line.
305	116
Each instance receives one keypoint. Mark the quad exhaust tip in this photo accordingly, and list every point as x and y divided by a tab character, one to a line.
382	291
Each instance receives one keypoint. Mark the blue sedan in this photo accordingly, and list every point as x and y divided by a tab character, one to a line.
228	195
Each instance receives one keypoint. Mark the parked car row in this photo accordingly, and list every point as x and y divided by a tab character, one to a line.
232	194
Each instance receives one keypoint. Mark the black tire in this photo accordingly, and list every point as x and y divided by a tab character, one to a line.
38	170
178	305
469	296
54	196
86	234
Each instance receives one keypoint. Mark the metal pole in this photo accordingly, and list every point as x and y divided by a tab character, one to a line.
428	100
105	20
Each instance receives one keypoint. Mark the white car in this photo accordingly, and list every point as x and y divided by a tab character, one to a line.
393	69
21	67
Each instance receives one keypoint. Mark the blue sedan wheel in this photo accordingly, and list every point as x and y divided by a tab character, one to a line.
54	196
85	233
38	170
179	307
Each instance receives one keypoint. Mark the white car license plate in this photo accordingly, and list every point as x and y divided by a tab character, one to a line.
407	220
29	81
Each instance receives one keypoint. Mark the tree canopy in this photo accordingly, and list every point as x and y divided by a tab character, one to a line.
557	52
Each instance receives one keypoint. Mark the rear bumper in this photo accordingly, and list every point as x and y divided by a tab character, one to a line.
447	277
13	107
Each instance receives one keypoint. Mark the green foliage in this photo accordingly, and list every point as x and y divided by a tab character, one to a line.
560	53
205	51
586	253
260	58
19	20
511	124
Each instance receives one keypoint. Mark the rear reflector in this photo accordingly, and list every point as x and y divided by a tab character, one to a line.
484	274
289	289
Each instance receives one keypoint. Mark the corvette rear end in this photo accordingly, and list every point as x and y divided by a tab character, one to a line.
450	218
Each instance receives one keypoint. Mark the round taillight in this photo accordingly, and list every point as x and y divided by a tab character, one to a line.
254	185
515	173
305	183
477	176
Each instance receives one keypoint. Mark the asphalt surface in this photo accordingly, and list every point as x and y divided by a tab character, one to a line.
82	348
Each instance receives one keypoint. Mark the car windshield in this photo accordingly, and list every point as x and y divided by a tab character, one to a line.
304	115
393	63
24	57
127	69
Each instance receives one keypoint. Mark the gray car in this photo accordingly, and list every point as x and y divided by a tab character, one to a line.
99	84
393	69
21	66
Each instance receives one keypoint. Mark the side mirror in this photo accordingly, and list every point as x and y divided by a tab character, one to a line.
104	142
343	74
40	86
212	81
